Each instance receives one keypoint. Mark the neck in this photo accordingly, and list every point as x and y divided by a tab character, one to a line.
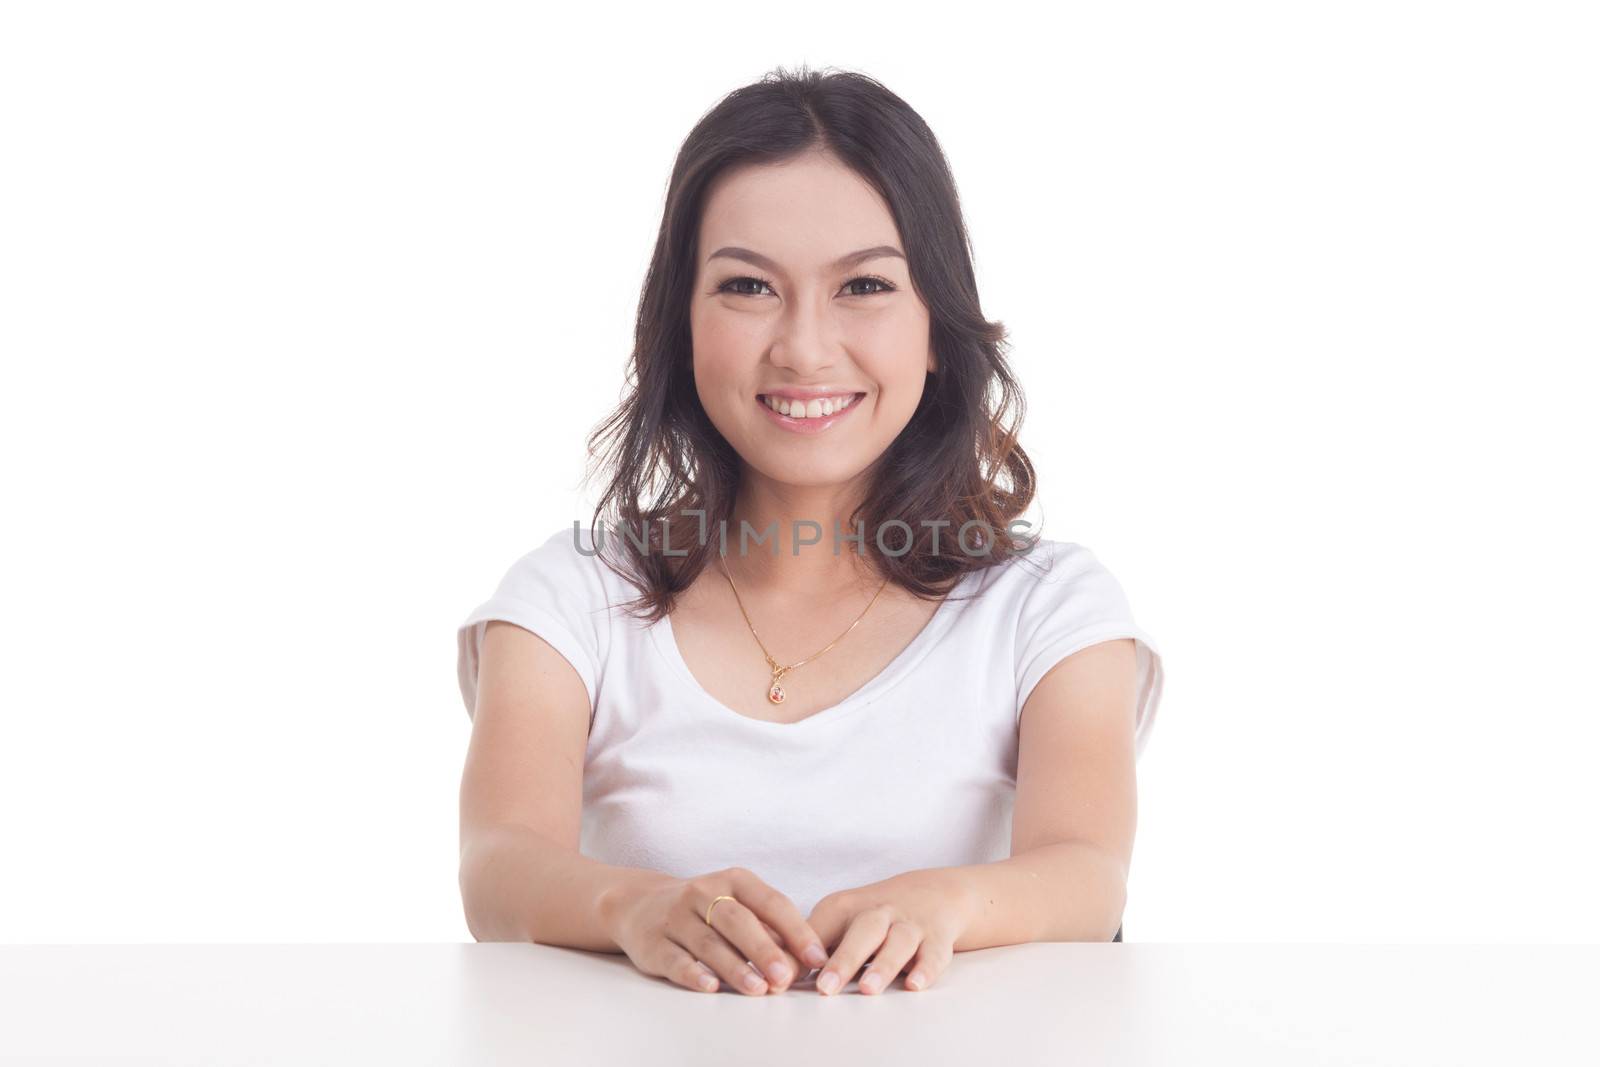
785	514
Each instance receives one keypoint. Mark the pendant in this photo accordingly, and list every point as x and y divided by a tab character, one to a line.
775	691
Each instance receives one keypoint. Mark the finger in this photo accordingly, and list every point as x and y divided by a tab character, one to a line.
864	935
898	948
830	918
928	964
746	932
796	967
781	916
714	952
678	965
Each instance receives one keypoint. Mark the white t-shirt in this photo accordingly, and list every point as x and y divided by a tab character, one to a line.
915	769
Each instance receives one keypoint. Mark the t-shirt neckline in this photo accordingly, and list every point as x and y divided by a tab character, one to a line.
666	643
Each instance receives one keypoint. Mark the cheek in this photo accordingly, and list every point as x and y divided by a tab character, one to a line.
725	353
723	343
893	350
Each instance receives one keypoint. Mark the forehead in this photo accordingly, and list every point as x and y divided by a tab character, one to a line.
802	211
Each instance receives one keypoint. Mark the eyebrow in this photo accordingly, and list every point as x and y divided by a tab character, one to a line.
848	260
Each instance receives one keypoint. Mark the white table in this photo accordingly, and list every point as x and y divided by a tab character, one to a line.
1092	1004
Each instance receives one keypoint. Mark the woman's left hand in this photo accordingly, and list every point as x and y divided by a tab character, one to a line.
911	919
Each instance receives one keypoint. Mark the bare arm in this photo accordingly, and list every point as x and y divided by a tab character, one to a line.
517	885
522	876
1076	811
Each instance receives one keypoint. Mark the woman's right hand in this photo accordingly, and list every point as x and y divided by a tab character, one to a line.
661	927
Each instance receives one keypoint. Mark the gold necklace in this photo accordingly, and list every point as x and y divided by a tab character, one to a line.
775	692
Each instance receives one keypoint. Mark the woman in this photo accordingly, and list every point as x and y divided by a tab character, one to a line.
892	730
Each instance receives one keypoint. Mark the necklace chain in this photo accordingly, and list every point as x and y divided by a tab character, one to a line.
775	692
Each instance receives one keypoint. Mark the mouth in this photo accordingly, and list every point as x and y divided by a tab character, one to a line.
812	415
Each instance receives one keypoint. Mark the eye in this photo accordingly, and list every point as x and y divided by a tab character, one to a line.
728	286
731	286
884	285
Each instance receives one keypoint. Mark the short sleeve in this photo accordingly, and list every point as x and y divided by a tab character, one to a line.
1076	603
554	591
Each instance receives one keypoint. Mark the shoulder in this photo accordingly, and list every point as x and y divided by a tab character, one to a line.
1069	569
556	591
1055	591
1051	574
562	570
1065	600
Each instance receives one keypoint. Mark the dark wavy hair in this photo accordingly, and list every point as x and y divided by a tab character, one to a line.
957	460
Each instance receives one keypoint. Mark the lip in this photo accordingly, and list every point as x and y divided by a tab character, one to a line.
808	426
812	392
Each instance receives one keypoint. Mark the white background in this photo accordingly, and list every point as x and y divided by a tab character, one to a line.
306	309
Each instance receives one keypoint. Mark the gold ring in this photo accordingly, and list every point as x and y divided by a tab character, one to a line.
712	905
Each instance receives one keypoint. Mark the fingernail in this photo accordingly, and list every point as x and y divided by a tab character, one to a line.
872	982
779	972
752	981
828	982
915	981
815	956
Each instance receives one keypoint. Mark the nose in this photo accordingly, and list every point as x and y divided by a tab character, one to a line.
804	341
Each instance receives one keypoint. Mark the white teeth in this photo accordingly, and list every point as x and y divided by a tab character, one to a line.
812	409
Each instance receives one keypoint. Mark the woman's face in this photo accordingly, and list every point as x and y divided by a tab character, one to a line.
782	310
